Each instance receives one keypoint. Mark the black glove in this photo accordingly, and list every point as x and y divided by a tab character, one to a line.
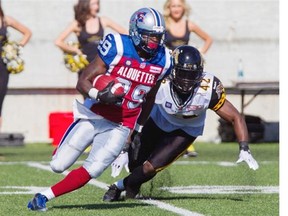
135	144
107	97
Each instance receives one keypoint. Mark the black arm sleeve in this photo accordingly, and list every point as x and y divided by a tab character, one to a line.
218	95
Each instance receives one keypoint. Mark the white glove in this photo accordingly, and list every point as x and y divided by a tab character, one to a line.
247	157
118	164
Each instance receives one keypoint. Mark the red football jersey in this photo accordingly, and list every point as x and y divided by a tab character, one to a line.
137	76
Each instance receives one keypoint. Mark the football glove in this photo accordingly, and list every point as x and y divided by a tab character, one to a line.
245	155
118	164
135	144
107	97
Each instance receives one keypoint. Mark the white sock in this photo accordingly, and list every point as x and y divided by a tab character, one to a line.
48	193
120	184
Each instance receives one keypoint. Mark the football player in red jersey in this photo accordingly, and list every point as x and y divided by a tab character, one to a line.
176	120
140	62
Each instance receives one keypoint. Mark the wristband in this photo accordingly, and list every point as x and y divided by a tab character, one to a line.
93	93
243	145
138	128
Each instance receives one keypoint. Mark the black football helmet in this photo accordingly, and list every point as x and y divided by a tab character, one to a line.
187	71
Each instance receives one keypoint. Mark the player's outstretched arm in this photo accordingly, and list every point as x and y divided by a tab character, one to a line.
231	114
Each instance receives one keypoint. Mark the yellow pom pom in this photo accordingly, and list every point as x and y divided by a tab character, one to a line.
75	62
11	57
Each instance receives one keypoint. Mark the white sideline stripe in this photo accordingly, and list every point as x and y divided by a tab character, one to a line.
171	208
192	189
22	189
104	186
220	189
220	163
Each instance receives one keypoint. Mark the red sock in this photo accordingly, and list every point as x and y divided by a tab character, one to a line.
74	180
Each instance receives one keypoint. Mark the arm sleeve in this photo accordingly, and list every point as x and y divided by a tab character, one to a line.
218	95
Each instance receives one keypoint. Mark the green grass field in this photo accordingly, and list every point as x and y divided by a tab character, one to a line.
210	184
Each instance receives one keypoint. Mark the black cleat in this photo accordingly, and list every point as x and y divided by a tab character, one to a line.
113	194
132	192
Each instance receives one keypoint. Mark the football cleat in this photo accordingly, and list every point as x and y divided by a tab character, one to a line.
38	203
132	192
113	194
190	154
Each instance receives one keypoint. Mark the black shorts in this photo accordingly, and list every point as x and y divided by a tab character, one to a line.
160	148
4	79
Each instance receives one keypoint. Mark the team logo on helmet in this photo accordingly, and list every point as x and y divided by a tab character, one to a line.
176	56
140	16
190	66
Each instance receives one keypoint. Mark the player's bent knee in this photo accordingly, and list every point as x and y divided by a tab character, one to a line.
148	168
57	167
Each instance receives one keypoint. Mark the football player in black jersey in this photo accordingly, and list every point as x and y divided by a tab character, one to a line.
176	121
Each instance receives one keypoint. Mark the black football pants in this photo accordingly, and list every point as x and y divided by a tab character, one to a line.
160	148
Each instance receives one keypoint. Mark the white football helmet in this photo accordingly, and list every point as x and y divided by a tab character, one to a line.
147	30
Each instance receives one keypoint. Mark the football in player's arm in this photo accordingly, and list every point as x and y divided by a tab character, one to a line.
176	120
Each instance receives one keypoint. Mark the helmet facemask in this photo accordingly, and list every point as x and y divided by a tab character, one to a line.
186	80
150	42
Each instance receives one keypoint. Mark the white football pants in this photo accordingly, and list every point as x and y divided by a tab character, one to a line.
107	139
